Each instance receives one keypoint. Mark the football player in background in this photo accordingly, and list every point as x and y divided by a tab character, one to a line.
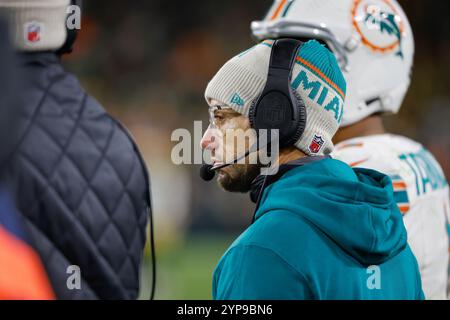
374	45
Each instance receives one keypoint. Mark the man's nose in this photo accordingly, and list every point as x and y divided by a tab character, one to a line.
208	140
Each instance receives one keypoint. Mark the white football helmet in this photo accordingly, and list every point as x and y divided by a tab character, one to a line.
372	40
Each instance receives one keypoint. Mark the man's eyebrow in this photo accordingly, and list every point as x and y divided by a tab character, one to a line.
223	108
228	111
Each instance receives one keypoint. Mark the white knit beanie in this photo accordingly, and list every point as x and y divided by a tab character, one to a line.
316	77
36	25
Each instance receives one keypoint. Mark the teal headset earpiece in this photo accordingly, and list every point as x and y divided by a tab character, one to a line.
279	106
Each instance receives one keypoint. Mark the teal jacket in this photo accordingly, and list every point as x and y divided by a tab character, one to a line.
322	231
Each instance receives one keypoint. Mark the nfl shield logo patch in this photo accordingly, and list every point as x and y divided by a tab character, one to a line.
33	32
316	144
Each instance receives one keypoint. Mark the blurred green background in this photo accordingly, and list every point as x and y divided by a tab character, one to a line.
185	270
148	63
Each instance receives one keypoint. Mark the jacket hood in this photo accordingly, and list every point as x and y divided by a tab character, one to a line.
353	207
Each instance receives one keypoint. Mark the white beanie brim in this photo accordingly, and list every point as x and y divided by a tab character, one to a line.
36	25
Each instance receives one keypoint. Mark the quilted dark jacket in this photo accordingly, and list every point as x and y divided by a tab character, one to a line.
80	183
8	81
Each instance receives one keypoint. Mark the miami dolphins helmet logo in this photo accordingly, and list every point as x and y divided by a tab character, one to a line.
380	27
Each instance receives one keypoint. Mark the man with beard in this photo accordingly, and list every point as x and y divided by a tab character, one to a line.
321	229
373	41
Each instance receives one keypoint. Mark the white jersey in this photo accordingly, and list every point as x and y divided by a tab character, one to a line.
422	195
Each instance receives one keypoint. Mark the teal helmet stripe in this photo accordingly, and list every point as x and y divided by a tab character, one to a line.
288	6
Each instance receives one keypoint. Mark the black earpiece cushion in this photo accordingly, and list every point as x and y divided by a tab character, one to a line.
273	110
299	104
293	129
252	113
